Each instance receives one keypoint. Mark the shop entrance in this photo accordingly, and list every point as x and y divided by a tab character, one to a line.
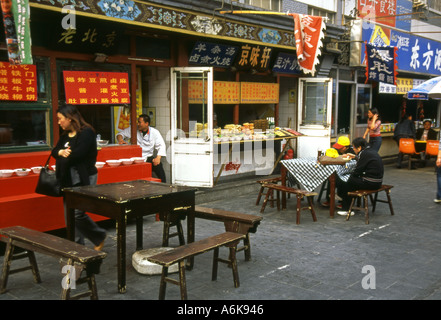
314	114
191	135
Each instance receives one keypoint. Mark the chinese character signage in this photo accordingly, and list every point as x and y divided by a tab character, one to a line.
404	85
212	54
286	63
18	82
382	11
387	88
255	92
94	87
414	53
308	33
224	92
17	30
87	38
254	57
380	64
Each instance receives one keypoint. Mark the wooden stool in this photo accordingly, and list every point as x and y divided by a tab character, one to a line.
363	194
300	194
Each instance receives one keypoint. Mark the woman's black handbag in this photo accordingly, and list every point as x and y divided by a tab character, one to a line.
48	183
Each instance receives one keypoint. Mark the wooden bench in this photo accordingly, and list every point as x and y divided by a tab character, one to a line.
179	254
300	194
234	222
363	194
78	258
263	183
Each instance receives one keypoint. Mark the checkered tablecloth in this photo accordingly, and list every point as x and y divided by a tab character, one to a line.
311	174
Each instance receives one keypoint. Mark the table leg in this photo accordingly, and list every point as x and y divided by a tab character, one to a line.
283	174
332	195
69	214
190	233
121	249
139	233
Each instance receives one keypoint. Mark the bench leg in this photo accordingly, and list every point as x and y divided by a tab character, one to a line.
311	206
234	266
182	281
92	287
6	266
163	283
247	244
259	195
268	193
389	200
215	264
366	209
165	234
299	208
350	208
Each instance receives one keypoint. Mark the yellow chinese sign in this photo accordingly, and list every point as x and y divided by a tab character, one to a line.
404	85
224	92
228	92
256	92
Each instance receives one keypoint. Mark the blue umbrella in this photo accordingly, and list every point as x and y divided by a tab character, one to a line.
428	89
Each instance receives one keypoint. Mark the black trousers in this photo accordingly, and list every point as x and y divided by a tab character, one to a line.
158	170
353	183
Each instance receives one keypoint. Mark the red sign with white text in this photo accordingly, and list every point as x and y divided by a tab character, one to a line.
381	11
18	82
95	87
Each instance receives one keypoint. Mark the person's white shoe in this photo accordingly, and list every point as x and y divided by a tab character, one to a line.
343	213
437	200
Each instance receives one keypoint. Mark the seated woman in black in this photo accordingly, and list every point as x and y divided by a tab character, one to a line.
367	175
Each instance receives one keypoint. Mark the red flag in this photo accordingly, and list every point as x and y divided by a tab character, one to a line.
308	33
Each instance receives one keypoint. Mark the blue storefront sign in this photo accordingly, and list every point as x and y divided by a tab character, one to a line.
286	63
415	53
213	54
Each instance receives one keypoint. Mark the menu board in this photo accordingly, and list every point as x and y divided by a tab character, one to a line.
18	82
224	92
228	92
257	92
94	87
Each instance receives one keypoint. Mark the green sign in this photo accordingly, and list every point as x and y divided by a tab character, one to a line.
21	13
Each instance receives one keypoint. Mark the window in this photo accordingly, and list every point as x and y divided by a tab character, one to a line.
312	11
27	124
265	4
315	102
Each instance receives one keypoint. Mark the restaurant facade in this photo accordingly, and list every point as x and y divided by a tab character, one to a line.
193	70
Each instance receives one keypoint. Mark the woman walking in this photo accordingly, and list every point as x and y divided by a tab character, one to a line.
75	155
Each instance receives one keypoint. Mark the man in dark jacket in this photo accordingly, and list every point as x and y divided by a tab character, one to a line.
404	129
367	175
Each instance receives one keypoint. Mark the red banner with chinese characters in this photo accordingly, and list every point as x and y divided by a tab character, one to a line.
18	82
95	87
308	33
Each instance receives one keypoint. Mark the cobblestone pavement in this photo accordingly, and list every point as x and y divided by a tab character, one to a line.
393	258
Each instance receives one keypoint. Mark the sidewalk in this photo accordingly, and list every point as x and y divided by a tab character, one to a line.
394	257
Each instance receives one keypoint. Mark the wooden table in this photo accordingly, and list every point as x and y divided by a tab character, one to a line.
315	172
122	200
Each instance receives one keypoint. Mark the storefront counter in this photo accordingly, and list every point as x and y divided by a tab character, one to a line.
20	205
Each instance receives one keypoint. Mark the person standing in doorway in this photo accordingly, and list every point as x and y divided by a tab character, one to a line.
151	142
75	155
373	129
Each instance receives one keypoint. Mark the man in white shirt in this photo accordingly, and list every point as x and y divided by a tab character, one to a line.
151	142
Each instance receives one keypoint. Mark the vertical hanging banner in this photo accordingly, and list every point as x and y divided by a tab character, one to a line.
381	64
308	32
17	31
